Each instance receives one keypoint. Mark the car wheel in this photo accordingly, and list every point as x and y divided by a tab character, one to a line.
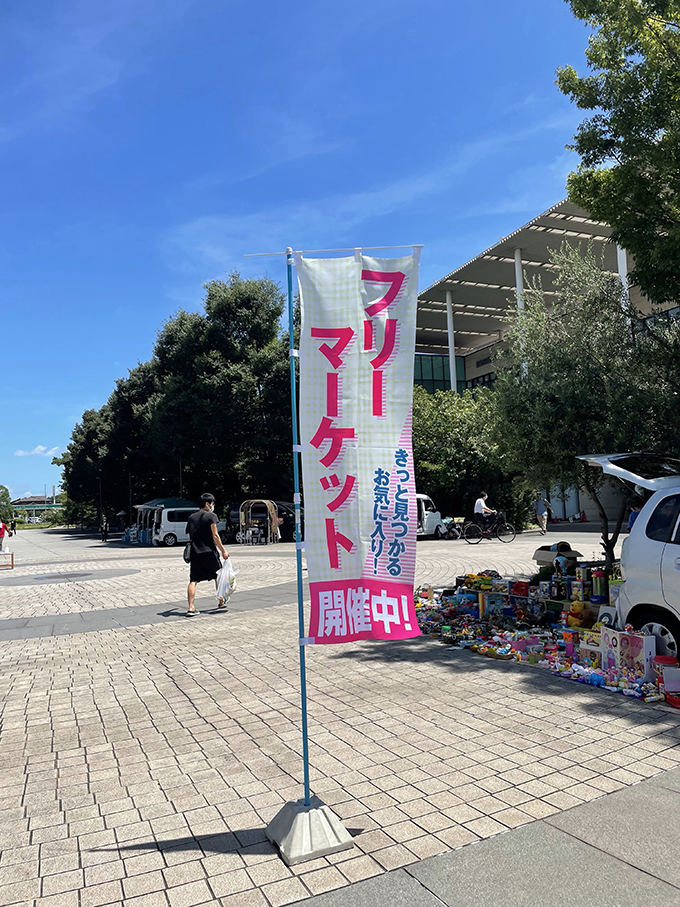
169	540
438	534
224	537
665	627
239	537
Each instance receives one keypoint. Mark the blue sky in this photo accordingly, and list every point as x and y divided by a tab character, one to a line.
146	145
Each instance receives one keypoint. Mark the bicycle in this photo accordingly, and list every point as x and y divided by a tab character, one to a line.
500	529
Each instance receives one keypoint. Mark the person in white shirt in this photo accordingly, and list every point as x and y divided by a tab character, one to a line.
482	512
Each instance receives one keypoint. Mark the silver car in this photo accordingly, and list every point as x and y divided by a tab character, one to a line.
650	556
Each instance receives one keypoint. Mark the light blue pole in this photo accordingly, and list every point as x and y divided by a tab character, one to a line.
298	551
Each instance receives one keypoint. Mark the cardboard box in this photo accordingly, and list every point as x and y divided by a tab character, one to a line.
591	638
591	652
671	680
493	603
500	585
614	591
628	651
577	591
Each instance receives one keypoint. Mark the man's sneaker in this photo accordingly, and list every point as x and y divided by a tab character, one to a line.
192	613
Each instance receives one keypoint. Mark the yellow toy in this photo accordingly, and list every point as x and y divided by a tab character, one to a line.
575	616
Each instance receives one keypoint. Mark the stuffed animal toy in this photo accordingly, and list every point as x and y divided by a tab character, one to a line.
575	616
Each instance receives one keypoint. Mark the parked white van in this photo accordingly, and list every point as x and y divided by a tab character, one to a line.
650	555
170	524
429	518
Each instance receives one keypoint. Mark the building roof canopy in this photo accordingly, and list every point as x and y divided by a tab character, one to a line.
483	289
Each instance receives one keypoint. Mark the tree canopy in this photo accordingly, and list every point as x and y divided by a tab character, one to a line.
629	175
5	504
212	403
584	375
456	456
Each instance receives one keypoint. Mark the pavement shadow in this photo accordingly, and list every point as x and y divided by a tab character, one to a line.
181	611
533	680
244	840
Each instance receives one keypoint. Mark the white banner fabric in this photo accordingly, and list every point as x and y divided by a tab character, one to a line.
357	349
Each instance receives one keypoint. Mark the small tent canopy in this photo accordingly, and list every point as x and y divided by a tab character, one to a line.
168	502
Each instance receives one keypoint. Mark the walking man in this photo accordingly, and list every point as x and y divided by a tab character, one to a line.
205	542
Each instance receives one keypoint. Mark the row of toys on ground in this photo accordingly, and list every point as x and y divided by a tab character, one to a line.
575	637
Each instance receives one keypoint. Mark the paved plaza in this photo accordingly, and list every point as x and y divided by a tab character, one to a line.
143	753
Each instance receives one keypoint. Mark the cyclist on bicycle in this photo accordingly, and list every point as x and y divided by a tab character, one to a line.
483	514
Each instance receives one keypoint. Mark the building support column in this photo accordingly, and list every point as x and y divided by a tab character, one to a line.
622	266
451	334
519	280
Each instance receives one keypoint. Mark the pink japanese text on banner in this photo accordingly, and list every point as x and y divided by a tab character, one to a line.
357	350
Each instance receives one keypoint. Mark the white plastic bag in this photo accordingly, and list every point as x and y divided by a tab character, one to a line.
226	580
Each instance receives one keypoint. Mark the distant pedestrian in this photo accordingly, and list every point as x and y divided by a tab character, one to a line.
541	507
105	530
205	542
13	525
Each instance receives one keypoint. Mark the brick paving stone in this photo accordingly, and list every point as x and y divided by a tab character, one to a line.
104	872
253	898
63	881
194	762
144	883
485	827
230	882
97	895
189	895
154	899
427	846
286	891
19	891
372	840
269	871
433	822
321	880
358	868
393	857
513	818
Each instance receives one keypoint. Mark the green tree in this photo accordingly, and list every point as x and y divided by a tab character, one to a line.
629	175
214	398
584	376
456	457
5	504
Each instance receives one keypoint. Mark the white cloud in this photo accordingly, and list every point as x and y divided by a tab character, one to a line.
39	451
217	243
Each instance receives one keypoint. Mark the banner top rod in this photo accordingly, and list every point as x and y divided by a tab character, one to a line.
311	251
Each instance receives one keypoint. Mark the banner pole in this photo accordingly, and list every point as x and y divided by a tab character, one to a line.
298	551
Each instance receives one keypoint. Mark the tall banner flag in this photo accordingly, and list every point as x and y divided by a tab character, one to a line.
357	350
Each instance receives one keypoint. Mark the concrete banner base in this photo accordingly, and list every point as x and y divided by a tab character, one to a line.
306	832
